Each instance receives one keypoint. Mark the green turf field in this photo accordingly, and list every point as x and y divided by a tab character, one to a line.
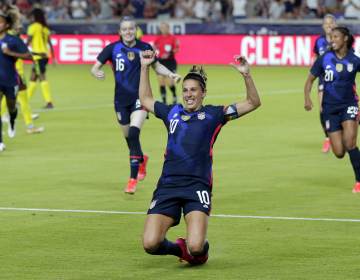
268	163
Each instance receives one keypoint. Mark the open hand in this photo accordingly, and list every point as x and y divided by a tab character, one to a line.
241	65
147	57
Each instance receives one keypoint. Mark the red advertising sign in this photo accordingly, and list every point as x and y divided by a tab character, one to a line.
203	49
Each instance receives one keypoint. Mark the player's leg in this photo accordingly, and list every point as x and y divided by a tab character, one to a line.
44	84
170	83
162	87
164	212
4	114
11	105
33	77
326	144
2	145
25	108
350	129
154	237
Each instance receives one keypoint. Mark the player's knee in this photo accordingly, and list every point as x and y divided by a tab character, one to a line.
339	154
350	145
150	245
195	248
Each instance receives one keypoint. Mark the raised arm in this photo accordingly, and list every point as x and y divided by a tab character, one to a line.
97	72
307	90
252	100
162	70
146	98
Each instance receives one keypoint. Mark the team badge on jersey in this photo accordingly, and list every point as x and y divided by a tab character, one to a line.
339	67
185	117
201	115
350	67
131	55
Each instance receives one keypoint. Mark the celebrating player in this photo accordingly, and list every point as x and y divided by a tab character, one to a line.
337	68
39	40
11	49
186	180
322	44
167	45
124	56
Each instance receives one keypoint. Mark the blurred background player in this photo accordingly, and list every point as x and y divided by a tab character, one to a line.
125	59
338	68
167	46
39	40
22	97
11	48
185	184
322	44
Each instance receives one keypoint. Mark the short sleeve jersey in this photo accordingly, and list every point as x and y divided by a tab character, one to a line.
166	44
126	67
8	74
338	77
40	38
191	136
321	45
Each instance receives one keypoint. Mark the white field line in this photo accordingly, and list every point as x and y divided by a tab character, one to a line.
213	215
108	105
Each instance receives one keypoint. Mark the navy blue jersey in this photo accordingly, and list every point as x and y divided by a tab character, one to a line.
338	77
8	74
191	136
126	66
321	45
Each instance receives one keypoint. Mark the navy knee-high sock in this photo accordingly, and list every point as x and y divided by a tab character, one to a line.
13	116
167	248
173	91
163	93
136	155
355	162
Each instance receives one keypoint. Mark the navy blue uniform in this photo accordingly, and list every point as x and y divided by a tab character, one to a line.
126	66
340	101
320	47
9	78
186	179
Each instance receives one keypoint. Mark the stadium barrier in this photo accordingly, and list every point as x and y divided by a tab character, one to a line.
266	50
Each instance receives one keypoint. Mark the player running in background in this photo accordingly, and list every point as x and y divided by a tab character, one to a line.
125	59
185	184
322	44
338	68
22	97
39	39
12	48
167	46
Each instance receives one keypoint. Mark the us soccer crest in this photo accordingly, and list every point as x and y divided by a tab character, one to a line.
185	117
201	116
339	67
350	67
131	55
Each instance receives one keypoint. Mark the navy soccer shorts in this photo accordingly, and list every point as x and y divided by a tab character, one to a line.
123	112
9	92
39	66
169	64
172	201
335	115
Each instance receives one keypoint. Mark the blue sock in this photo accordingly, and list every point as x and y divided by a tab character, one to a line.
355	162
167	248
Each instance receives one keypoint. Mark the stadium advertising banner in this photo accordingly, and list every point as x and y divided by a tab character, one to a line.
283	50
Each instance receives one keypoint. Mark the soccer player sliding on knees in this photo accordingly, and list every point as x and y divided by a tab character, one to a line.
185	184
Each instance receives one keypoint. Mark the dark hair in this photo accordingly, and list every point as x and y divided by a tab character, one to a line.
197	73
127	18
39	16
7	18
346	32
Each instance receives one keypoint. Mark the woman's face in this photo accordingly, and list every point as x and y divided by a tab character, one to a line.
128	31
338	40
193	95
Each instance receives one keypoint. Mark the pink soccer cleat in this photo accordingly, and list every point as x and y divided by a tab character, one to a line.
131	186
193	260
326	145
356	188
142	169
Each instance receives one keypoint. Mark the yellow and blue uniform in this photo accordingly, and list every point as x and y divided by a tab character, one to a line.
40	36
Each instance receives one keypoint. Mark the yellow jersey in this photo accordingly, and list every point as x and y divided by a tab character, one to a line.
40	36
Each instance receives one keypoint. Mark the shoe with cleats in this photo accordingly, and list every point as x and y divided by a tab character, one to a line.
142	168
356	188
131	186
